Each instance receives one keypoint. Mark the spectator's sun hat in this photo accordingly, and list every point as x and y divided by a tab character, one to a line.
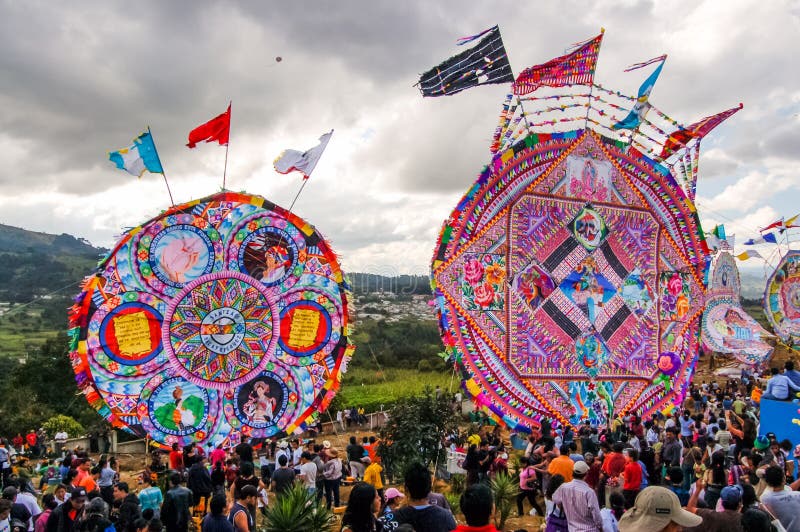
326	444
654	509
761	443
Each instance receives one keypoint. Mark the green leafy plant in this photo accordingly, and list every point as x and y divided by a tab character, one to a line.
455	501
458	483
504	489
296	510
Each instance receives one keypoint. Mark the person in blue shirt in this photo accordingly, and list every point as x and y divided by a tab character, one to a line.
778	387
789	371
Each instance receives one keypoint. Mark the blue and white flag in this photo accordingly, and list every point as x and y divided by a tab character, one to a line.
763	239
140	157
642	104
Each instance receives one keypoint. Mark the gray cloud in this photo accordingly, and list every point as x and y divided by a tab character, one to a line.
82	78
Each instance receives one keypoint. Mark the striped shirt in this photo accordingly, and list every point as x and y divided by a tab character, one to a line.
579	502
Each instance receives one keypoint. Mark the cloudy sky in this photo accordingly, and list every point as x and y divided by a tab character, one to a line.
78	79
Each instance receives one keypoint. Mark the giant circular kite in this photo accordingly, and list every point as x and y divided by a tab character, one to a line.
569	281
225	315
726	328
782	298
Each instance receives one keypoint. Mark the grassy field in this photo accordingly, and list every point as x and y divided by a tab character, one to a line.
372	388
22	331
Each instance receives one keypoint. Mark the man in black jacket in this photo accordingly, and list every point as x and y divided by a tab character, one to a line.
126	508
65	515
200	482
176	510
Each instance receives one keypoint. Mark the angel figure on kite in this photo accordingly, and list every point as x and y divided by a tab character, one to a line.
260	406
179	256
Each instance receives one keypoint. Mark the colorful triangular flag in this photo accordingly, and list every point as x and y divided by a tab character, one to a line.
680	138
749	254
574	68
768	238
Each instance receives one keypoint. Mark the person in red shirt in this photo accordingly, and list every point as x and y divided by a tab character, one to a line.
593	476
176	458
84	466
477	505
33	441
632	475
18	442
613	464
218	455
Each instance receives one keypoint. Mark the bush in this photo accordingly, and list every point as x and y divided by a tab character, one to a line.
60	423
424	365
416	428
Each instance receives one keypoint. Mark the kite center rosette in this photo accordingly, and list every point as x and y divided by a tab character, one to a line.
220	329
221	318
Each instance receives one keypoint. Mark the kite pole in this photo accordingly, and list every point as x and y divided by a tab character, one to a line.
163	174
225	168
305	180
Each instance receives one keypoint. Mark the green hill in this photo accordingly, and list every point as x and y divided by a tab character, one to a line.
39	275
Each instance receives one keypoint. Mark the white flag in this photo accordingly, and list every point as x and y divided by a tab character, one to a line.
302	161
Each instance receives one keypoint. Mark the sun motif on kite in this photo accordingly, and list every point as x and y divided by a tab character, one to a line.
222	315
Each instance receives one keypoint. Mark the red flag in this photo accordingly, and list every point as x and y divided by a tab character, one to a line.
218	128
575	68
678	139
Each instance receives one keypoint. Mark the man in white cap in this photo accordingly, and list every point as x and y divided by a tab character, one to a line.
579	501
657	509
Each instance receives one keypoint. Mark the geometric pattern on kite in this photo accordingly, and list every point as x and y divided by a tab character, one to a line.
563	275
726	328
222	317
782	298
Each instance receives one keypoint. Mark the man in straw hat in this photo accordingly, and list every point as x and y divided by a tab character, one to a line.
332	474
657	509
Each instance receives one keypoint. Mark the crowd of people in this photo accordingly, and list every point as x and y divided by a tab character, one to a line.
700	467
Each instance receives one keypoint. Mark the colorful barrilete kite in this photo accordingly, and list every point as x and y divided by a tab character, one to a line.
221	317
570	277
782	298
726	328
